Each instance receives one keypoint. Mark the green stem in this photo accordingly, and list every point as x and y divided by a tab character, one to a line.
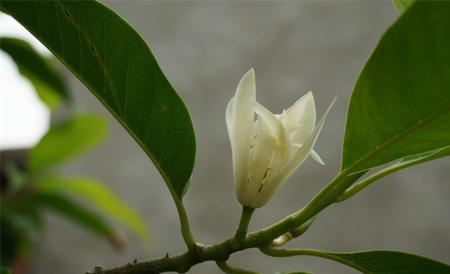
276	252
246	215
360	186
350	192
226	268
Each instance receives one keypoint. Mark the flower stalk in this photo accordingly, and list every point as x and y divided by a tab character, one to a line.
246	215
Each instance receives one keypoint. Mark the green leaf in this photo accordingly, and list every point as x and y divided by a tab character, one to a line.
82	216
390	262
402	5
401	105
66	140
114	62
372	262
38	69
99	195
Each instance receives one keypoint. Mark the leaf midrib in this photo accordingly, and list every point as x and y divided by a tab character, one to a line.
421	123
96	56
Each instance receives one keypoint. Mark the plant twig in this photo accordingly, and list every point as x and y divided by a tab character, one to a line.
261	238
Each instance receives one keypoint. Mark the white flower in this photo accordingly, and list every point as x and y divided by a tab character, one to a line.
268	149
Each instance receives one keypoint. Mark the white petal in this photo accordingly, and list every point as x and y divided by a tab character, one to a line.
279	130
239	116
228	119
316	157
300	118
260	163
265	147
303	152
274	123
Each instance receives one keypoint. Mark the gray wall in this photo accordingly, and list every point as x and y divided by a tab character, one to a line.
204	48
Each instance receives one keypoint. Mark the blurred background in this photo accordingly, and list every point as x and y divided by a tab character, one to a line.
295	46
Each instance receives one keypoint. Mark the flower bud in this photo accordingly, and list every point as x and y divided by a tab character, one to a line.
268	148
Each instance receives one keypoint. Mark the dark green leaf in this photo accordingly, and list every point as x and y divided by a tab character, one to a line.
44	77
66	140
401	105
99	195
402	5
390	262
117	66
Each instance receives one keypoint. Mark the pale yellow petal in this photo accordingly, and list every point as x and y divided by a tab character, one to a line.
240	116
300	118
301	155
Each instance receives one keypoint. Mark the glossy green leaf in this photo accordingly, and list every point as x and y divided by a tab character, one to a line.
38	69
114	62
99	195
401	105
74	212
402	5
390	262
67	140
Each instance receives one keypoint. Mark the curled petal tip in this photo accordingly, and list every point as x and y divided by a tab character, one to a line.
316	157
250	74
